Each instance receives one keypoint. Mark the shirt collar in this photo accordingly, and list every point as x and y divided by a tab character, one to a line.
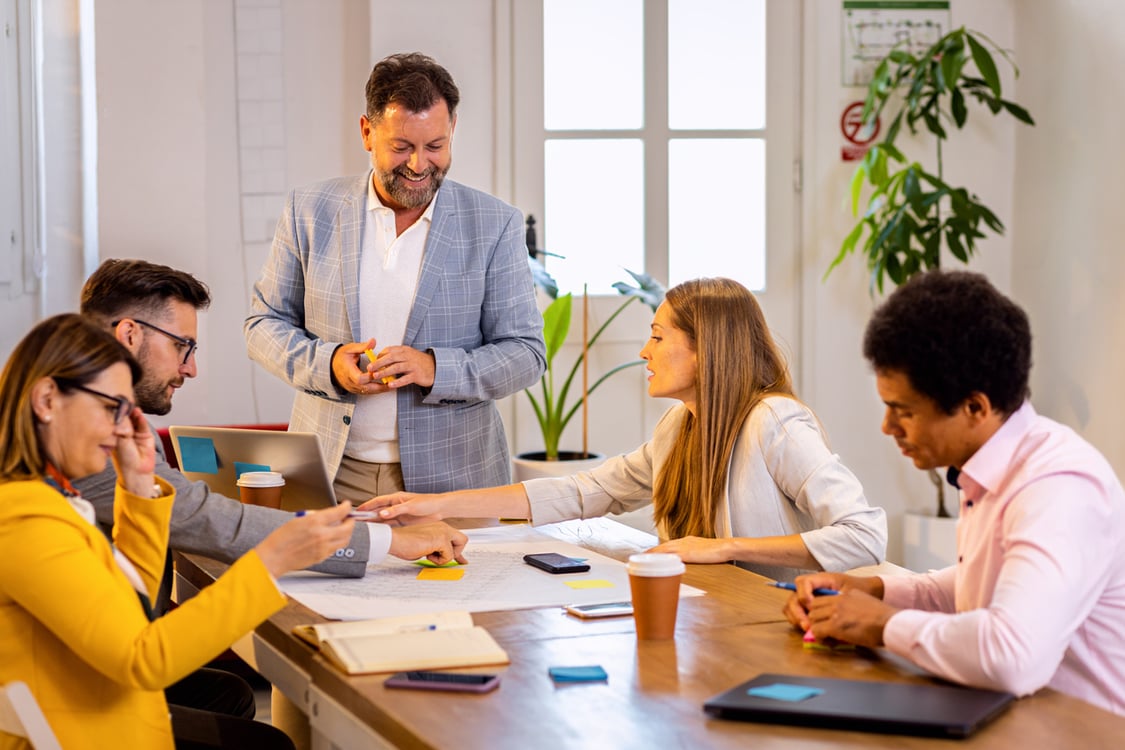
985	469
375	203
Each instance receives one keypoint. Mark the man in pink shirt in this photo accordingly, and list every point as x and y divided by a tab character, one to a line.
1037	597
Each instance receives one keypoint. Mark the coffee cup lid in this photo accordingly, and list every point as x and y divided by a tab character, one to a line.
261	479
655	564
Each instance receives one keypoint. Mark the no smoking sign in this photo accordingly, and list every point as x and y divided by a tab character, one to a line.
857	135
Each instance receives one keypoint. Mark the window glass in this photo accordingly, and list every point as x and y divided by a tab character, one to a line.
716	215
593	57
716	64
594	202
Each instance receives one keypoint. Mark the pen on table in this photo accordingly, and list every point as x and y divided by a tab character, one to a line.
415	628
361	515
793	587
371	356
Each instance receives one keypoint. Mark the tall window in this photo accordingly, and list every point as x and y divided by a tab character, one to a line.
661	135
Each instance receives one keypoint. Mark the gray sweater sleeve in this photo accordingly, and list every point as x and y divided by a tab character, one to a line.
210	524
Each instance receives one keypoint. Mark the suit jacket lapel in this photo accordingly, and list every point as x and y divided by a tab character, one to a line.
350	220
433	260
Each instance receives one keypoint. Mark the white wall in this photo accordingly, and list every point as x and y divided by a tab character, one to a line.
170	146
1068	268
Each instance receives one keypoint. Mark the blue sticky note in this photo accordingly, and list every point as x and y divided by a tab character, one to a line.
779	691
241	468
578	674
198	454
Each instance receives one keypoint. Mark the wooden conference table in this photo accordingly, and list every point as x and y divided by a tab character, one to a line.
655	691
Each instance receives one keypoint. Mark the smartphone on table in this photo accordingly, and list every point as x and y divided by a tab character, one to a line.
555	563
610	609
455	681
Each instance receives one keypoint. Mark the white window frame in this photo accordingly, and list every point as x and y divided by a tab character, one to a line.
781	299
19	162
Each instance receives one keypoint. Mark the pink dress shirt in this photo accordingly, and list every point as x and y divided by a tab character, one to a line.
1037	597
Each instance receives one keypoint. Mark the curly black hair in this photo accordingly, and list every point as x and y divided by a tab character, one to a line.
952	333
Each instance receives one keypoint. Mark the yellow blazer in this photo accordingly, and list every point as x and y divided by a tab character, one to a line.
73	629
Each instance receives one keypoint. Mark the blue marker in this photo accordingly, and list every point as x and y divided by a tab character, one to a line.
793	587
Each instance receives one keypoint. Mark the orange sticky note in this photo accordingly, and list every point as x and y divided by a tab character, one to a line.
441	574
590	583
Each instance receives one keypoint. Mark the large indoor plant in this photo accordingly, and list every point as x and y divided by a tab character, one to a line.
556	400
912	214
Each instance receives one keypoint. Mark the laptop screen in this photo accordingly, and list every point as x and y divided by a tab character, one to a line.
218	455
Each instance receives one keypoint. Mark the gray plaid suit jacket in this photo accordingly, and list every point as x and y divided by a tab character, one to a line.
474	309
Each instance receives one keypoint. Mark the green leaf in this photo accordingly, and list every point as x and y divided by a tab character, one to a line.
1017	111
648	290
857	187
955	246
985	64
957	106
556	324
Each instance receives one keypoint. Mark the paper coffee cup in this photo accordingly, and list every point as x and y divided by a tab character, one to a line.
654	579
261	488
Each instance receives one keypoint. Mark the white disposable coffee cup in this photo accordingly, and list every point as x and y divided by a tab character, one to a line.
654	579
261	488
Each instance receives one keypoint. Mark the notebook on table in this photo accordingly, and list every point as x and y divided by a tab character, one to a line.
218	455
930	710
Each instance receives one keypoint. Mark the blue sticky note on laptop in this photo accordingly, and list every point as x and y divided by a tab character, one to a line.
779	691
241	468
198	454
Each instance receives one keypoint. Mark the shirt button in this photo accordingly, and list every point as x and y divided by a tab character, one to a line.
349	553
347	419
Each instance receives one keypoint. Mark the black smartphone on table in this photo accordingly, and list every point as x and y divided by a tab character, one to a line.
555	563
455	681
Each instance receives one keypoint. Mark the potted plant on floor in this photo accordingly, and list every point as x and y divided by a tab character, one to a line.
559	397
912	214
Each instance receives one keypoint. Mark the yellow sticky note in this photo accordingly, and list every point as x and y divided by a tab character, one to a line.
371	356
590	583
441	574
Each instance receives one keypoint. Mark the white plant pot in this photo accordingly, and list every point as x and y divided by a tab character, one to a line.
524	468
928	542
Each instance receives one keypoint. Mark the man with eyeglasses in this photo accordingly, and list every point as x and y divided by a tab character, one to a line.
152	310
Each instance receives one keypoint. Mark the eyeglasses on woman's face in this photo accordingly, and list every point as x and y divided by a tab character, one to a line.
121	405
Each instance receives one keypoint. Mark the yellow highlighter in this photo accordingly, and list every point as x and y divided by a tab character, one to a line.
371	355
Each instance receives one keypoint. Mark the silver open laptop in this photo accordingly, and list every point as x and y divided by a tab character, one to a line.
217	455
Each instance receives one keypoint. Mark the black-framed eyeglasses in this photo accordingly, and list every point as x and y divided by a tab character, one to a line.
188	346
124	405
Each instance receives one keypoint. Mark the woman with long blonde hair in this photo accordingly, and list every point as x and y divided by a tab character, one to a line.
739	471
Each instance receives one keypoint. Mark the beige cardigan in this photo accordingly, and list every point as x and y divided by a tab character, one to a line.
782	480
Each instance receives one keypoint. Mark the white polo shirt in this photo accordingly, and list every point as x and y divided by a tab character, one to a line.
388	280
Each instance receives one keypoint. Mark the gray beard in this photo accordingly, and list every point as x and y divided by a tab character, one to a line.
401	193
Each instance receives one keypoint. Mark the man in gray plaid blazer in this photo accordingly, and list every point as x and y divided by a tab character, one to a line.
400	304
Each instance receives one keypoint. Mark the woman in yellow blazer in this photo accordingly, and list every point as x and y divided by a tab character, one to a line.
73	622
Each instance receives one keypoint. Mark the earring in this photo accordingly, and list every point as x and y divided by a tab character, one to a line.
46	417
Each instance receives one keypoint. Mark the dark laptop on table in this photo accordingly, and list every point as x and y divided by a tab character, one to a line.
930	710
218	455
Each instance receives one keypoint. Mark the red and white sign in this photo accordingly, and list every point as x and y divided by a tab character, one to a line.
857	135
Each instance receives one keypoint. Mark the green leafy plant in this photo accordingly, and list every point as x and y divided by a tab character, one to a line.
911	212
552	408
